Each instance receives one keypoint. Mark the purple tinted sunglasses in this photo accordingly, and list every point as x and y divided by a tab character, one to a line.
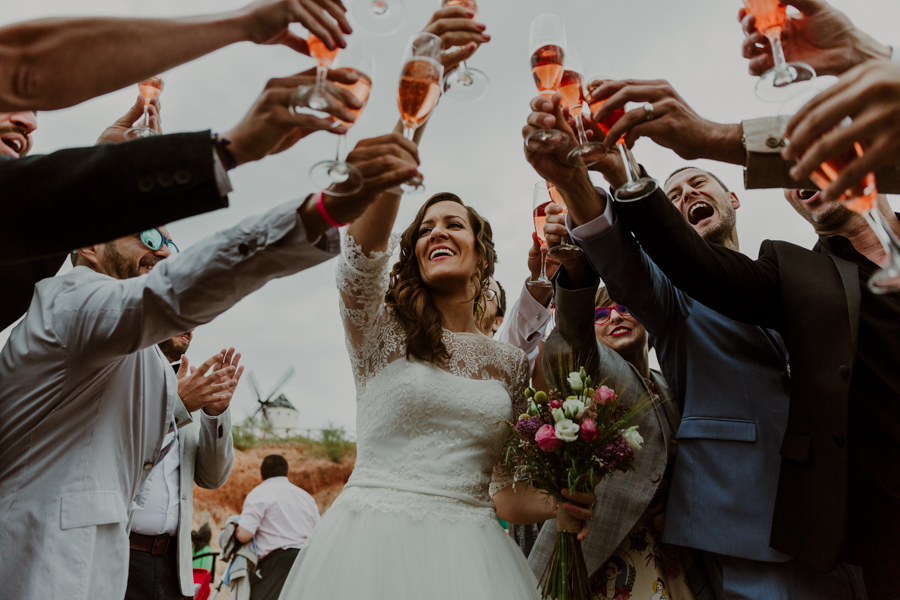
603	313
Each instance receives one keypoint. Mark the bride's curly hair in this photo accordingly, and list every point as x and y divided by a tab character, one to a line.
411	300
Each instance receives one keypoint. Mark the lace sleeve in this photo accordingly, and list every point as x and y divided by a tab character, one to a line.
501	478
362	282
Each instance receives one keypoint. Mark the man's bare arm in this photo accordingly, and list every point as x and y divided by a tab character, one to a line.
49	64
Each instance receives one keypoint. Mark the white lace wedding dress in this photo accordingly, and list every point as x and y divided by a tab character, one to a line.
415	519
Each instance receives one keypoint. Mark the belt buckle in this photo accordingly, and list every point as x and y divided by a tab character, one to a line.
160	540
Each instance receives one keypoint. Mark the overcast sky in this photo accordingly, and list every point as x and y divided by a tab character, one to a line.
473	150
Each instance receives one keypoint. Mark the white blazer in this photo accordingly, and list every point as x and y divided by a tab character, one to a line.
86	398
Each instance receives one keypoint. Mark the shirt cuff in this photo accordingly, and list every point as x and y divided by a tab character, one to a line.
222	181
531	308
592	229
211	417
330	241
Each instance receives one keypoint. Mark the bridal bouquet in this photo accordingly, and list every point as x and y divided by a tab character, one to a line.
571	439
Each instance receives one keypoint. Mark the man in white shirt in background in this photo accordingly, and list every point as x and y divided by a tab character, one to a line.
279	517
201	452
492	308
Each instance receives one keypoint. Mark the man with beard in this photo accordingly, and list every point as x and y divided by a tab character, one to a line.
202	452
732	380
86	396
493	307
156	180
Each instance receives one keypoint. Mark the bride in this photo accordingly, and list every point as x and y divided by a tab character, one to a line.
415	519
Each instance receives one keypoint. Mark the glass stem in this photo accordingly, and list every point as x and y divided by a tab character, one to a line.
342	139
321	75
543	276
782	72
579	126
409	132
629	166
887	238
463	69
146	114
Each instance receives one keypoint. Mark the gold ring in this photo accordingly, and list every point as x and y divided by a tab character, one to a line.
649	111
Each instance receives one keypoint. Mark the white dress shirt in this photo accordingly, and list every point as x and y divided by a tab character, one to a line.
279	515
159	514
526	322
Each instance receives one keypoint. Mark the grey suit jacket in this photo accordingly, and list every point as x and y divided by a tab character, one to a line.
207	455
86	398
623	497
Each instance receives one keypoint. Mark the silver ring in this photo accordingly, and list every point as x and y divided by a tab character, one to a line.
649	111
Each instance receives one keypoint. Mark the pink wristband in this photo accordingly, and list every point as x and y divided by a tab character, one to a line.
320	206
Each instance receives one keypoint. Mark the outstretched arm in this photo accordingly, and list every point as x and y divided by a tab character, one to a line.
49	64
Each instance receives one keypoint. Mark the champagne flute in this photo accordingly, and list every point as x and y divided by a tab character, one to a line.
636	187
381	17
571	91
419	89
539	205
464	84
314	96
862	198
150	88
565	250
547	46
359	60
770	17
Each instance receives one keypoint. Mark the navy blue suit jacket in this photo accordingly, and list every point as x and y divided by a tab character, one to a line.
733	382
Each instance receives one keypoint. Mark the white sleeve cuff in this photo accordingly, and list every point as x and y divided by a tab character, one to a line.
222	181
592	229
210	417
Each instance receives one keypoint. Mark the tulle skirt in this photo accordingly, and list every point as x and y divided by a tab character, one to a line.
376	555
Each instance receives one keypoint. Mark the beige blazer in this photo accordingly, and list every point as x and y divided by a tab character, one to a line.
86	398
623	497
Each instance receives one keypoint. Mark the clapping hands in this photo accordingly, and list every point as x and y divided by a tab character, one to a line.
211	386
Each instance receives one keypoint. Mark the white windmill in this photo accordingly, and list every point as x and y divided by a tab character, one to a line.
277	412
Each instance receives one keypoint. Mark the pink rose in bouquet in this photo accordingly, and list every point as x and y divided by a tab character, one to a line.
546	438
589	431
604	395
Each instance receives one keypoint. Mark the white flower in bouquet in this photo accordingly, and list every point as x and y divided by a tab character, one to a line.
566	430
573	407
558	414
576	382
631	437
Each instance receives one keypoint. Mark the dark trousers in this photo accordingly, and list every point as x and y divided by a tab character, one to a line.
271	573
153	577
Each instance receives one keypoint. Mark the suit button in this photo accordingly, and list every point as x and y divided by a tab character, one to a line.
243	249
252	244
773	142
654	477
182	176
165	179
221	430
844	370
839	439
148	465
145	184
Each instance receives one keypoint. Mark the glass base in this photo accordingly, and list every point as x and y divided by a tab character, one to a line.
136	133
564	252
636	190
381	17
542	283
307	99
886	280
327	173
587	155
413	187
546	141
466	85
778	86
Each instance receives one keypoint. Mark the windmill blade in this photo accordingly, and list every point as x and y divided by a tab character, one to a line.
254	385
281	382
256	412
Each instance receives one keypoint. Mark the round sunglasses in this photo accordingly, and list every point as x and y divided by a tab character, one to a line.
154	239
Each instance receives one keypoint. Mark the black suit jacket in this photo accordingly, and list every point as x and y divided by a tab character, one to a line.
81	196
812	297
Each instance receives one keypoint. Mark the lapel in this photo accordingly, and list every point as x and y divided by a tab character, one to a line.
849	273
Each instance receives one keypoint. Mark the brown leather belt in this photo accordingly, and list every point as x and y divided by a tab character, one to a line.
157	545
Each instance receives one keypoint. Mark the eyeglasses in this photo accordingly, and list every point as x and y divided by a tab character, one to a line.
154	239
489	294
603	313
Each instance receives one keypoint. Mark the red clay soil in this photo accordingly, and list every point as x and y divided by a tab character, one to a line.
322	478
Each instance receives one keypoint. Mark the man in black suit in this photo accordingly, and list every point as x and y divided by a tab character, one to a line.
839	487
82	196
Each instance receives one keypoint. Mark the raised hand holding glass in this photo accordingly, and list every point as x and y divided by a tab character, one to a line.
150	89
539	204
571	91
564	250
772	85
381	17
464	84
314	96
